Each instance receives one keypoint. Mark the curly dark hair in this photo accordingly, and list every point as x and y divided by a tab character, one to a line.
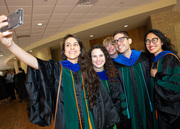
108	66
167	45
91	80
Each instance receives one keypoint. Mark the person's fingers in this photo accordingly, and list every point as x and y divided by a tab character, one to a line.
3	18
7	34
3	24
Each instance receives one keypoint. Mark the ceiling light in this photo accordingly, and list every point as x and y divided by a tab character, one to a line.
1	55
125	26
30	50
14	58
91	36
39	24
87	2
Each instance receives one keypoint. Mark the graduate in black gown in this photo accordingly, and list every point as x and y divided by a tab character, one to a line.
20	84
78	101
134	73
3	92
165	77
104	67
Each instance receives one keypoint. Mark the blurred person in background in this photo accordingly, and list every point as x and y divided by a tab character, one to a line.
110	46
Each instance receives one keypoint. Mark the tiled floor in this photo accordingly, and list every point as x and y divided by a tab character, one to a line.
13	116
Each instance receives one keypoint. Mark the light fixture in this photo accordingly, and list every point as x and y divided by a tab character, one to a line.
1	55
39	24
91	36
14	58
30	50
125	26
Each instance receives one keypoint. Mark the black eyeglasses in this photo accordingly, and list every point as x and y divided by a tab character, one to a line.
121	39
153	40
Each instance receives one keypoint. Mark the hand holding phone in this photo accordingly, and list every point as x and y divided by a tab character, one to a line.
14	20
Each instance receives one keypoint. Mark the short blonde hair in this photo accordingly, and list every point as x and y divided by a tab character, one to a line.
108	40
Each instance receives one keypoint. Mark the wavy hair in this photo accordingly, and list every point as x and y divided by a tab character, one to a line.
167	45
108	66
91	80
108	40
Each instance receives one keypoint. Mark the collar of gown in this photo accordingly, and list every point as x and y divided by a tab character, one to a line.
161	54
121	59
71	66
102	75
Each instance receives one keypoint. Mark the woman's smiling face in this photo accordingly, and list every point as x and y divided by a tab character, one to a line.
98	59
153	44
72	50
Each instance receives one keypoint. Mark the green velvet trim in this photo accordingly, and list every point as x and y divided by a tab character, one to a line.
124	113
122	96
71	113
105	83
172	80
123	104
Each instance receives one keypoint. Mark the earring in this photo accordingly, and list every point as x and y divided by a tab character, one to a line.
162	43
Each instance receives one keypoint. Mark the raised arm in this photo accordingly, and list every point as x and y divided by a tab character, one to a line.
6	40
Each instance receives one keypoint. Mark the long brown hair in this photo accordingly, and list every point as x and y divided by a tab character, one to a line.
91	80
108	66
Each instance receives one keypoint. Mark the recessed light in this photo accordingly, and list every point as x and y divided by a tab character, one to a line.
39	24
30	50
1	55
91	36
125	26
14	58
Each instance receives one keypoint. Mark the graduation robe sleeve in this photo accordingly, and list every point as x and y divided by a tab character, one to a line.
167	88
115	92
39	85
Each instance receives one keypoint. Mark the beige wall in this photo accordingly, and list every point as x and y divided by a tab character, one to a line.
43	53
86	45
56	54
16	66
169	23
23	66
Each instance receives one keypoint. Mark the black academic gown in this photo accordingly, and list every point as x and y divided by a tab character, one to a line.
166	86
136	84
114	88
42	87
3	92
20	83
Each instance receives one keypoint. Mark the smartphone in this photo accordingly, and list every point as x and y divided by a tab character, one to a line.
14	20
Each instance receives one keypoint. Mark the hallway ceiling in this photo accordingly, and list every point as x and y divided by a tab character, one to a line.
60	17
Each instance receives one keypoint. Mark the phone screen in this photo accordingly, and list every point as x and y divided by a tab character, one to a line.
14	20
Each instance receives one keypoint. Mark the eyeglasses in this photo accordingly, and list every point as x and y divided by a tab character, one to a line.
153	40
121	39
